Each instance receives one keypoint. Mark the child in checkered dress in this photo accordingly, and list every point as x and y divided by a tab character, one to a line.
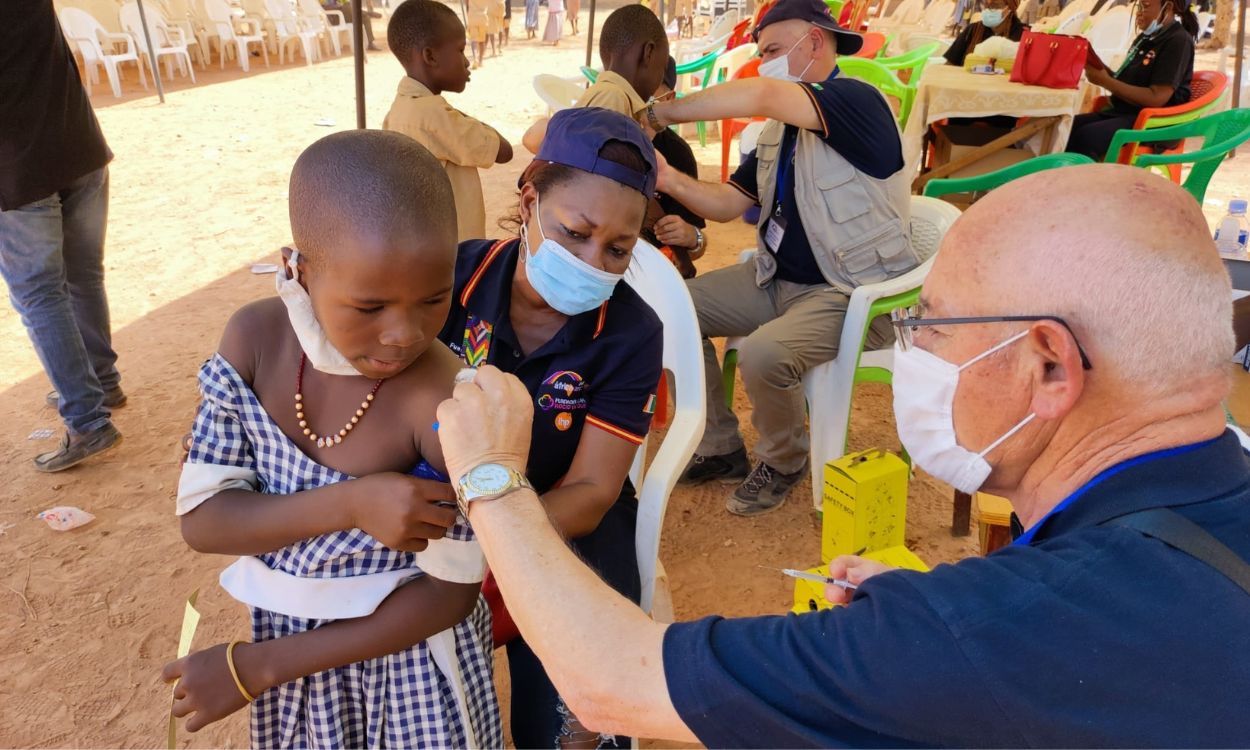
315	410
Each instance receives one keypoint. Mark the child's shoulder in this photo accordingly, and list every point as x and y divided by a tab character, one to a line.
253	327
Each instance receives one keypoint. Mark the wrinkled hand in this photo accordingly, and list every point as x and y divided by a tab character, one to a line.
205	691
400	511
854	569
673	231
486	421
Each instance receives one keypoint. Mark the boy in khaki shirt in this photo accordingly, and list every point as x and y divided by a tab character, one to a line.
634	50
429	41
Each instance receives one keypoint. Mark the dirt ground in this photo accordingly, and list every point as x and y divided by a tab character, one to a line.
199	194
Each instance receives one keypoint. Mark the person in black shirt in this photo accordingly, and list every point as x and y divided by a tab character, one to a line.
1156	73
53	211
998	18
669	224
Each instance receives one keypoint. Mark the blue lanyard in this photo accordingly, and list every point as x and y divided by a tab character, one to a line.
788	159
1027	537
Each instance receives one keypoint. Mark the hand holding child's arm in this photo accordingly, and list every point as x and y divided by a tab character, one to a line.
400	511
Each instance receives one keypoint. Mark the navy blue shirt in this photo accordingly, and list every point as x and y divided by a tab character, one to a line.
601	369
1086	636
856	122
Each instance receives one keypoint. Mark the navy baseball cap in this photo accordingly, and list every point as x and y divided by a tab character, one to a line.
670	74
816	13
575	136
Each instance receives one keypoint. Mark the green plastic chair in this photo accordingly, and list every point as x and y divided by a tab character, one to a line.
885	48
591	74
914	61
835	7
704	65
1220	133
983	183
874	73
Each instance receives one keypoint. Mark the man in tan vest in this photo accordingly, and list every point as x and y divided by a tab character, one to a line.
827	174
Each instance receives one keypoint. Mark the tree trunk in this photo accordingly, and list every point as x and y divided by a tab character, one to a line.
1224	16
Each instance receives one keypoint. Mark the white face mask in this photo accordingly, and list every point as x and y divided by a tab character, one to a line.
312	337
779	67
924	399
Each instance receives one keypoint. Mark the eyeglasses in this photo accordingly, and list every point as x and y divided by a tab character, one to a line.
906	320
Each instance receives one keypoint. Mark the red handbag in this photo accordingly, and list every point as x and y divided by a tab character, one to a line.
1052	60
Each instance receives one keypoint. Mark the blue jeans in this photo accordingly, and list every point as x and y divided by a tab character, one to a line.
52	258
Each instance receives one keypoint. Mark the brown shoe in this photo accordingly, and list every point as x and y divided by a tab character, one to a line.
75	449
114	399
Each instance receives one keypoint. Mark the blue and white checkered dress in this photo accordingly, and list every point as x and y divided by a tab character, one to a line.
397	701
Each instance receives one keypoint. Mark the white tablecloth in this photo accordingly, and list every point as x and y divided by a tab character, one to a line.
948	91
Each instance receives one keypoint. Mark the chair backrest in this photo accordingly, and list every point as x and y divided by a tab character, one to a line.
730	61
132	23
876	74
218	11
873	42
907	13
1220	133
930	219
938	15
990	180
84	30
749	69
1112	32
556	92
1072	24
660	285
1205	89
283	16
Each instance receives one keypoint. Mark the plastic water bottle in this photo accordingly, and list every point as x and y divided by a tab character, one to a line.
1230	238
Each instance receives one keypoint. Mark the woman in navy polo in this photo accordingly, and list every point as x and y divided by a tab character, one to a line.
549	307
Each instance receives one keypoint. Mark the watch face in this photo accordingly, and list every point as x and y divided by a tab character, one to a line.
489	478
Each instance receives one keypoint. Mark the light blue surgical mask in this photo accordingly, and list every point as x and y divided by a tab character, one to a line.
563	280
993	17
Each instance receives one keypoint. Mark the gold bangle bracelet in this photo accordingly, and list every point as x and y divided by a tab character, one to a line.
235	672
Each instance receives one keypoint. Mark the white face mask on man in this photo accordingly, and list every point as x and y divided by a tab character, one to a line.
924	399
779	66
322	355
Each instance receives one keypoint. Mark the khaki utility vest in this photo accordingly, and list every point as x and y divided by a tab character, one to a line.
858	226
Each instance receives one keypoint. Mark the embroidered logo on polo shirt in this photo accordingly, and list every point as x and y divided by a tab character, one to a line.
563	392
650	407
564	421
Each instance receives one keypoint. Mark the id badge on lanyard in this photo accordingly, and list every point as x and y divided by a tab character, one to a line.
775	227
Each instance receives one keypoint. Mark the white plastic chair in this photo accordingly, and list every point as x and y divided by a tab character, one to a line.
556	92
87	33
660	285
190	18
908	13
1073	23
169	42
829	386
1111	34
221	19
729	62
315	17
287	28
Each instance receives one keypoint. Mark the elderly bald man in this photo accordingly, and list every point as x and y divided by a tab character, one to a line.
1081	344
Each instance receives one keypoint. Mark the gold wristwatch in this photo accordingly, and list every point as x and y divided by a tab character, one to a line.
488	482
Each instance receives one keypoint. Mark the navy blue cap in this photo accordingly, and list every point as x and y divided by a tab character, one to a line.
816	13
670	74
575	136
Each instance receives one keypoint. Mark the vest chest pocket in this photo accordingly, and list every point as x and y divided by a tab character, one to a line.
877	255
766	155
842	193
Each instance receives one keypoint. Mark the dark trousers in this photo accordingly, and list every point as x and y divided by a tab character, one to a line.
1092	132
538	713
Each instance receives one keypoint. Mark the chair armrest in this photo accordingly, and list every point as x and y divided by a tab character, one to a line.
131	44
339	13
176	36
1202	154
1126	136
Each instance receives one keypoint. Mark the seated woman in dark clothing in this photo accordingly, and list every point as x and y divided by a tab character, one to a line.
998	18
669	224
1156	73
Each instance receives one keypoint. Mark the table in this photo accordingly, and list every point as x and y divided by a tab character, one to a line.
947	91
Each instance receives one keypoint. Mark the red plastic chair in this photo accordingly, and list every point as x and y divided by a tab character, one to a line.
873	42
740	35
730	128
1206	87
